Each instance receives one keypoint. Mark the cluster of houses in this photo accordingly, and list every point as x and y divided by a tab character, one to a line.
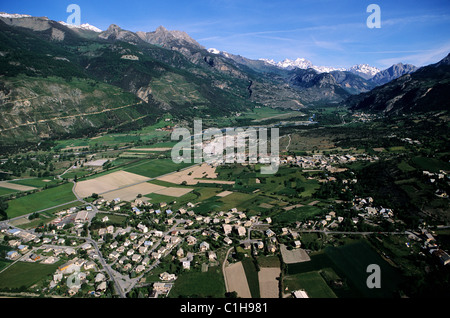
429	244
325	162
363	117
74	274
52	249
73	216
143	246
367	210
434	178
136	253
329	221
19	242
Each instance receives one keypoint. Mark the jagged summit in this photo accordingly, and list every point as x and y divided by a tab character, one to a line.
361	69
364	70
393	72
114	32
168	39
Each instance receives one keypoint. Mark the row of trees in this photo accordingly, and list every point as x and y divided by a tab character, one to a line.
3	208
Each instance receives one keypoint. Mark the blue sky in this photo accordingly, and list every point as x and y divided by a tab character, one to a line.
327	32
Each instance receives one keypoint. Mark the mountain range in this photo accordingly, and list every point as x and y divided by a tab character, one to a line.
367	72
364	70
61	80
426	89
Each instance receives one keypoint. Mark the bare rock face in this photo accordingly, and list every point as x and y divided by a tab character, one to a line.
144	93
32	23
169	39
37	24
114	32
393	72
57	35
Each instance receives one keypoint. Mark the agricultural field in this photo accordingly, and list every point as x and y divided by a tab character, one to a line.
41	200
16	187
155	168
430	164
259	115
312	282
327	265
3	261
350	262
193	175
237	280
5	191
147	134
107	183
24	275
199	284
36	182
268	282
113	219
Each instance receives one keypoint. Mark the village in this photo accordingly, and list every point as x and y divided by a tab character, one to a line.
96	253
112	245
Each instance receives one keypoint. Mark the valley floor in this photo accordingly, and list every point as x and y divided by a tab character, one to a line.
119	216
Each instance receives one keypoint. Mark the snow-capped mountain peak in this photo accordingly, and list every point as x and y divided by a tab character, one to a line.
290	64
85	26
213	51
365	69
301	63
13	15
216	51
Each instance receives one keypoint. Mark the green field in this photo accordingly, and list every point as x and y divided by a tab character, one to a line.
312	282
116	220
430	164
252	276
288	183
35	182
350	262
5	191
242	201
4	262
253	116
199	284
197	195
353	259
268	261
146	134
297	214
23	274
40	200
151	168
403	166
167	144
79	173
155	168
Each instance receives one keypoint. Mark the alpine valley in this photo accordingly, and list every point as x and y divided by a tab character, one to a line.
63	80
94	202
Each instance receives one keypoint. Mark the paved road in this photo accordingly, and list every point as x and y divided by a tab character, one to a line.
351	233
